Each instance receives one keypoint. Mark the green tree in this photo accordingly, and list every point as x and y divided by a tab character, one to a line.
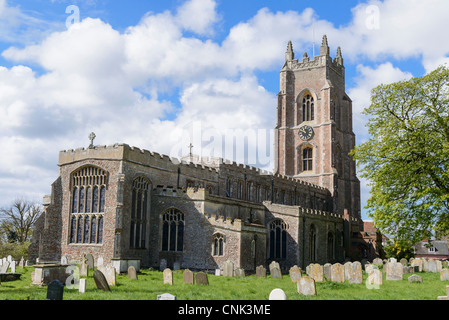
406	159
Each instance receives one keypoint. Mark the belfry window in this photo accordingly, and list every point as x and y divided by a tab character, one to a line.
87	205
173	231
308	108
307	159
139	207
278	240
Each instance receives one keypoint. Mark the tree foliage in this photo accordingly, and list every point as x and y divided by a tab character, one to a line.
406	160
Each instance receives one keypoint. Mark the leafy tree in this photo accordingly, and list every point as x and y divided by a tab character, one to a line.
399	249
18	220
406	160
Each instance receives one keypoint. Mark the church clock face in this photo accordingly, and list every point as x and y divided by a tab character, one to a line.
305	133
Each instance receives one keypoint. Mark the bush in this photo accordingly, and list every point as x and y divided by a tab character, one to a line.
16	250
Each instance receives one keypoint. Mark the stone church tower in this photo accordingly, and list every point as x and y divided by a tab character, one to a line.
314	132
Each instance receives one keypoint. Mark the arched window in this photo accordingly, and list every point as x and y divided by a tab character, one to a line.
307	159
330	246
218	245
278	240
173	230
139	207
308	108
89	186
228	187
312	243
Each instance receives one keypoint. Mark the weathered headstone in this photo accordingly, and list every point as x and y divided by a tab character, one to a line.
84	268
100	281
188	277
432	266
275	270
277	294
166	296
228	269
261	272
404	262
378	262
327	270
355	274
89	260
444	275
217	272
64	260
239	272
415	278
13	267
55	290
374	279
316	272
201	278
176	265
109	273
132	274
394	271
82	286
338	273
306	286
168	276
417	263
22	263
295	273
5	267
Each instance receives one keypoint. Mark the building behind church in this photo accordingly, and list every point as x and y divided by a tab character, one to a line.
131	206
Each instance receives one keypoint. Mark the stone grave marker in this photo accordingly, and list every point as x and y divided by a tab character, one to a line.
338	273
163	264
394	271
5	267
228	269
22	263
417	263
176	265
378	262
239	272
275	270
55	290
295	273
201	278
100	261
261	272
132	274
316	272
166	296
277	294
327	270
168	276
100	281
64	260
82	286
13	267
355	274
444	275
415	278
84	268
217	272
432	266
109	273
9	258
404	262
374	278
89	260
306	286
188	277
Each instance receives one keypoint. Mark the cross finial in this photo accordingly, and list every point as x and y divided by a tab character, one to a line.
190	148
92	137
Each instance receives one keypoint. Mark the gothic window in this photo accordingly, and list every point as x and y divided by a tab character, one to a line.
228	187
308	108
239	190
218	245
173	230
87	205
249	187
278	240
140	199
330	246
307	159
312	243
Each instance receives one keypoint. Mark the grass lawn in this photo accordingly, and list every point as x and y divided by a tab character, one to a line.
150	285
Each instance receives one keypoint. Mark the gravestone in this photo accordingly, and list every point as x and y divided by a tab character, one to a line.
82	286
55	290
277	294
239	272
417	263
404	262
9	258
100	261
306	286
89	258
84	268
100	281
5	267
13	267
217	272
109	273
338	273
228	269
374	278
163	264
394	271
166	296
64	260
295	273
201	278
261	272
316	272
132	274
327	270
378	262
176	265
188	277
432	266
168	276
415	278
275	270
444	275
355	274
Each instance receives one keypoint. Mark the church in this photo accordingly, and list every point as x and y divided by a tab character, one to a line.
136	207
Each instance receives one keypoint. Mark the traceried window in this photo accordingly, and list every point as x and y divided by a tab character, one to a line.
307	159
140	201
173	231
218	245
89	186
308	108
278	240
312	243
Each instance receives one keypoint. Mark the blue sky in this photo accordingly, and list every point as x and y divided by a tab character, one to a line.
146	72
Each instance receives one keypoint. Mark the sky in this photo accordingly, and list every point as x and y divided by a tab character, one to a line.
161	74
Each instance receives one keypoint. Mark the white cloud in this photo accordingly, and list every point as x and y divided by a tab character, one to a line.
198	16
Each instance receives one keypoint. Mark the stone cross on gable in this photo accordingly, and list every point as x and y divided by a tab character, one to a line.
92	137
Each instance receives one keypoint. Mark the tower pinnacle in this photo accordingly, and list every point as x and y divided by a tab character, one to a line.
324	49
289	55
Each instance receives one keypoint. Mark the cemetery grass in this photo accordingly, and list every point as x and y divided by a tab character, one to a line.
150	284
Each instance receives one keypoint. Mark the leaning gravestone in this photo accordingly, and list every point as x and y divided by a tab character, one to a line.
295	273
100	281
132	274
55	290
277	294
338	273
306	286
201	278
188	277
168	276
261	272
